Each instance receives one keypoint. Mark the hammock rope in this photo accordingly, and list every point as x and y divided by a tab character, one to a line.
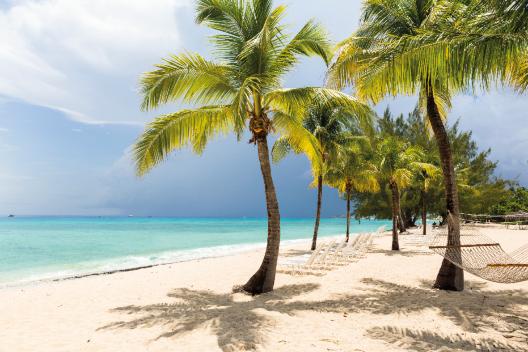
483	257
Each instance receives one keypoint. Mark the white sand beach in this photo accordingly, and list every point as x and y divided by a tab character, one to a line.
383	302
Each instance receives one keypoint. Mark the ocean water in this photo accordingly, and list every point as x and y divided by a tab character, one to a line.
41	248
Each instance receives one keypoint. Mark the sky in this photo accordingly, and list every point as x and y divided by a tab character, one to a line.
69	113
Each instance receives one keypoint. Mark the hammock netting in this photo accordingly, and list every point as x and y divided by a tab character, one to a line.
483	257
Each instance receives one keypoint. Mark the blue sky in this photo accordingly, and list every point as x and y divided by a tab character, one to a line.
69	113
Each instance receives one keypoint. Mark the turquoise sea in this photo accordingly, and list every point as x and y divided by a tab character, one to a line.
38	248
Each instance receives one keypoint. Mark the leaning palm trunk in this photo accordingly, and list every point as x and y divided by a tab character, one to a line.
263	280
348	217
395	215
318	211
450	277
424	214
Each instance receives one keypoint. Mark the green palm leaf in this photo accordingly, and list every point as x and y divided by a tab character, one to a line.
177	130
189	77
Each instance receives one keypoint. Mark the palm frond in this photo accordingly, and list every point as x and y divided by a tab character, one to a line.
519	74
429	169
299	139
311	40
352	171
295	101
222	15
188	77
263	40
177	130
281	148
402	177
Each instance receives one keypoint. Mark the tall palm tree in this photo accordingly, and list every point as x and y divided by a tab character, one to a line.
328	124
478	43
377	62
351	172
397	162
239	91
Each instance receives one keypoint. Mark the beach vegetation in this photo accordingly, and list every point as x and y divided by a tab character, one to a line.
435	49
397	163
333	128
352	172
479	188
238	91
377	63
515	202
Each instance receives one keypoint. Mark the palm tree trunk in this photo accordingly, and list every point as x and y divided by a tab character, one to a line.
263	280
424	214
450	277
401	224
395	216
348	216
318	211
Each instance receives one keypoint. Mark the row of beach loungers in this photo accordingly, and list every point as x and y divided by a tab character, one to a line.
516	225
419	240
328	256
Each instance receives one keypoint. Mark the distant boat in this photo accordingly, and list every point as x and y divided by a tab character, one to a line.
10	216
130	216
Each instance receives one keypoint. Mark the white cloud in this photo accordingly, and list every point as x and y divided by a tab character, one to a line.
83	57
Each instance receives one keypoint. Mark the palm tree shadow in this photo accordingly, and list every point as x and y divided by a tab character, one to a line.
238	325
425	341
243	324
474	310
295	253
403	252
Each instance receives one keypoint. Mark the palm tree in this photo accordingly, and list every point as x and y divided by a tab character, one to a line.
328	124
239	91
397	162
378	62
351	172
425	176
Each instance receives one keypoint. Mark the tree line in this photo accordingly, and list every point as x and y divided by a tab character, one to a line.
480	190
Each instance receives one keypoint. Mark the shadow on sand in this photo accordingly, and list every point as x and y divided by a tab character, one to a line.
295	253
243	324
423	340
403	252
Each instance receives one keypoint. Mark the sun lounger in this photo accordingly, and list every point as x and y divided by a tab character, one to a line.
297	268
354	251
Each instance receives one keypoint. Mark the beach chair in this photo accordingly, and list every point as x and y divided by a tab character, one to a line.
380	230
370	239
419	240
322	263
298	268
365	245
336	255
341	256
352	251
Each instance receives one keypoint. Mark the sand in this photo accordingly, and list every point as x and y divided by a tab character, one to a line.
382	302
